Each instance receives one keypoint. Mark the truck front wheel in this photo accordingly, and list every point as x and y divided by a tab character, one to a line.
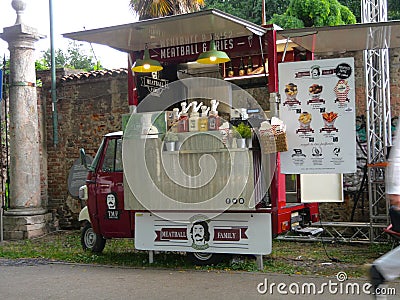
91	240
203	259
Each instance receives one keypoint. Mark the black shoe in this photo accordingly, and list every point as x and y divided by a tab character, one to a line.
376	277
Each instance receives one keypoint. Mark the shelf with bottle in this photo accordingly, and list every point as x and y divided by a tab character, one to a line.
245	77
245	68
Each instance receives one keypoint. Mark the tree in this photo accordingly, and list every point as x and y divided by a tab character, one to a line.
393	7
249	10
6	65
147	9
288	21
73	59
354	6
44	63
315	13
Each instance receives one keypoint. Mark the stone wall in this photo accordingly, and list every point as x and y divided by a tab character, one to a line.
89	105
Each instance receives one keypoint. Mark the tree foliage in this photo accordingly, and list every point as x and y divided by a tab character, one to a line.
315	13
393	8
6	65
289	21
354	6
325	12
74	58
147	9
249	10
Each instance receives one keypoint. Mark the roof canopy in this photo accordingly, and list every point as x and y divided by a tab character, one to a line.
346	37
170	31
199	26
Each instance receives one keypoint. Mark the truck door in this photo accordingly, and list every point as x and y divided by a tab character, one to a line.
114	221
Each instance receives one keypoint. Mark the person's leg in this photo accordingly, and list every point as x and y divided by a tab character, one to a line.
376	277
394	214
386	267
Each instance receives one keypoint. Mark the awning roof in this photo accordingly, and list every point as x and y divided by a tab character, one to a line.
169	31
346	37
199	26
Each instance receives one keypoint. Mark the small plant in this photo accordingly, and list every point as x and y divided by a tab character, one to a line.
171	137
244	130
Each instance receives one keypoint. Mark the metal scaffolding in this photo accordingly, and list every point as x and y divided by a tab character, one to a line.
378	116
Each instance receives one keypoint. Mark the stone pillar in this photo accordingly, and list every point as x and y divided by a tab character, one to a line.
25	218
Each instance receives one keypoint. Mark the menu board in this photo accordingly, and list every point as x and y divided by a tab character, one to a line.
318	108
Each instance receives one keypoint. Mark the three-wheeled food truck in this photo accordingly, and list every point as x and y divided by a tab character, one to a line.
177	178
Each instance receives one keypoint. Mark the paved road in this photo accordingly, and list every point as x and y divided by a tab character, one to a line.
36	279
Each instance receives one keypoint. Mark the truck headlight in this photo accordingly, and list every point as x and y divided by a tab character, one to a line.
83	193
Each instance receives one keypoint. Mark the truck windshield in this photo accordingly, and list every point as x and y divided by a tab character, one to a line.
96	159
112	161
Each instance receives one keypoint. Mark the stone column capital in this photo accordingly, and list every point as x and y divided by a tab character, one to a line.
21	35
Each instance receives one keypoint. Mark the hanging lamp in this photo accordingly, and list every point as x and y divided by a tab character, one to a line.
213	56
146	65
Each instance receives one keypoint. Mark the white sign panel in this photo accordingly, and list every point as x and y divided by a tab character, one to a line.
321	188
318	108
241	233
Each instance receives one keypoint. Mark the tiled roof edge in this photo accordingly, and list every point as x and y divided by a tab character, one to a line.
94	74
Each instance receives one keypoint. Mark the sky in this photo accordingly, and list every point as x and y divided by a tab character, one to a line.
70	16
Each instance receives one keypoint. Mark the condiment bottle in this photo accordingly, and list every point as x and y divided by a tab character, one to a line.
213	118
213	121
169	115
230	71
241	67
249	69
203	120
194	116
194	121
175	119
183	123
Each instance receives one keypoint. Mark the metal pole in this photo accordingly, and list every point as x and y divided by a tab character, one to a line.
53	78
7	185
377	87
263	17
1	156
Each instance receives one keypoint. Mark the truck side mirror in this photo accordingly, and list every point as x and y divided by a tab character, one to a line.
83	158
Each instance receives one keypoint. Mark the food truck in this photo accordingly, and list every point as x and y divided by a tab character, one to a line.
178	176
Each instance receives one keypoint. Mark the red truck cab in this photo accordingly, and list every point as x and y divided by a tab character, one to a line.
106	219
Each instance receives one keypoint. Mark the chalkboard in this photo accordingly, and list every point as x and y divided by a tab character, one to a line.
77	176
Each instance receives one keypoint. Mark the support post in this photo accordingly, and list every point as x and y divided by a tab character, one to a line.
151	256
25	217
260	262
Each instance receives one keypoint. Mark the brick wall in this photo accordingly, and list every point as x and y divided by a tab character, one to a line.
89	105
